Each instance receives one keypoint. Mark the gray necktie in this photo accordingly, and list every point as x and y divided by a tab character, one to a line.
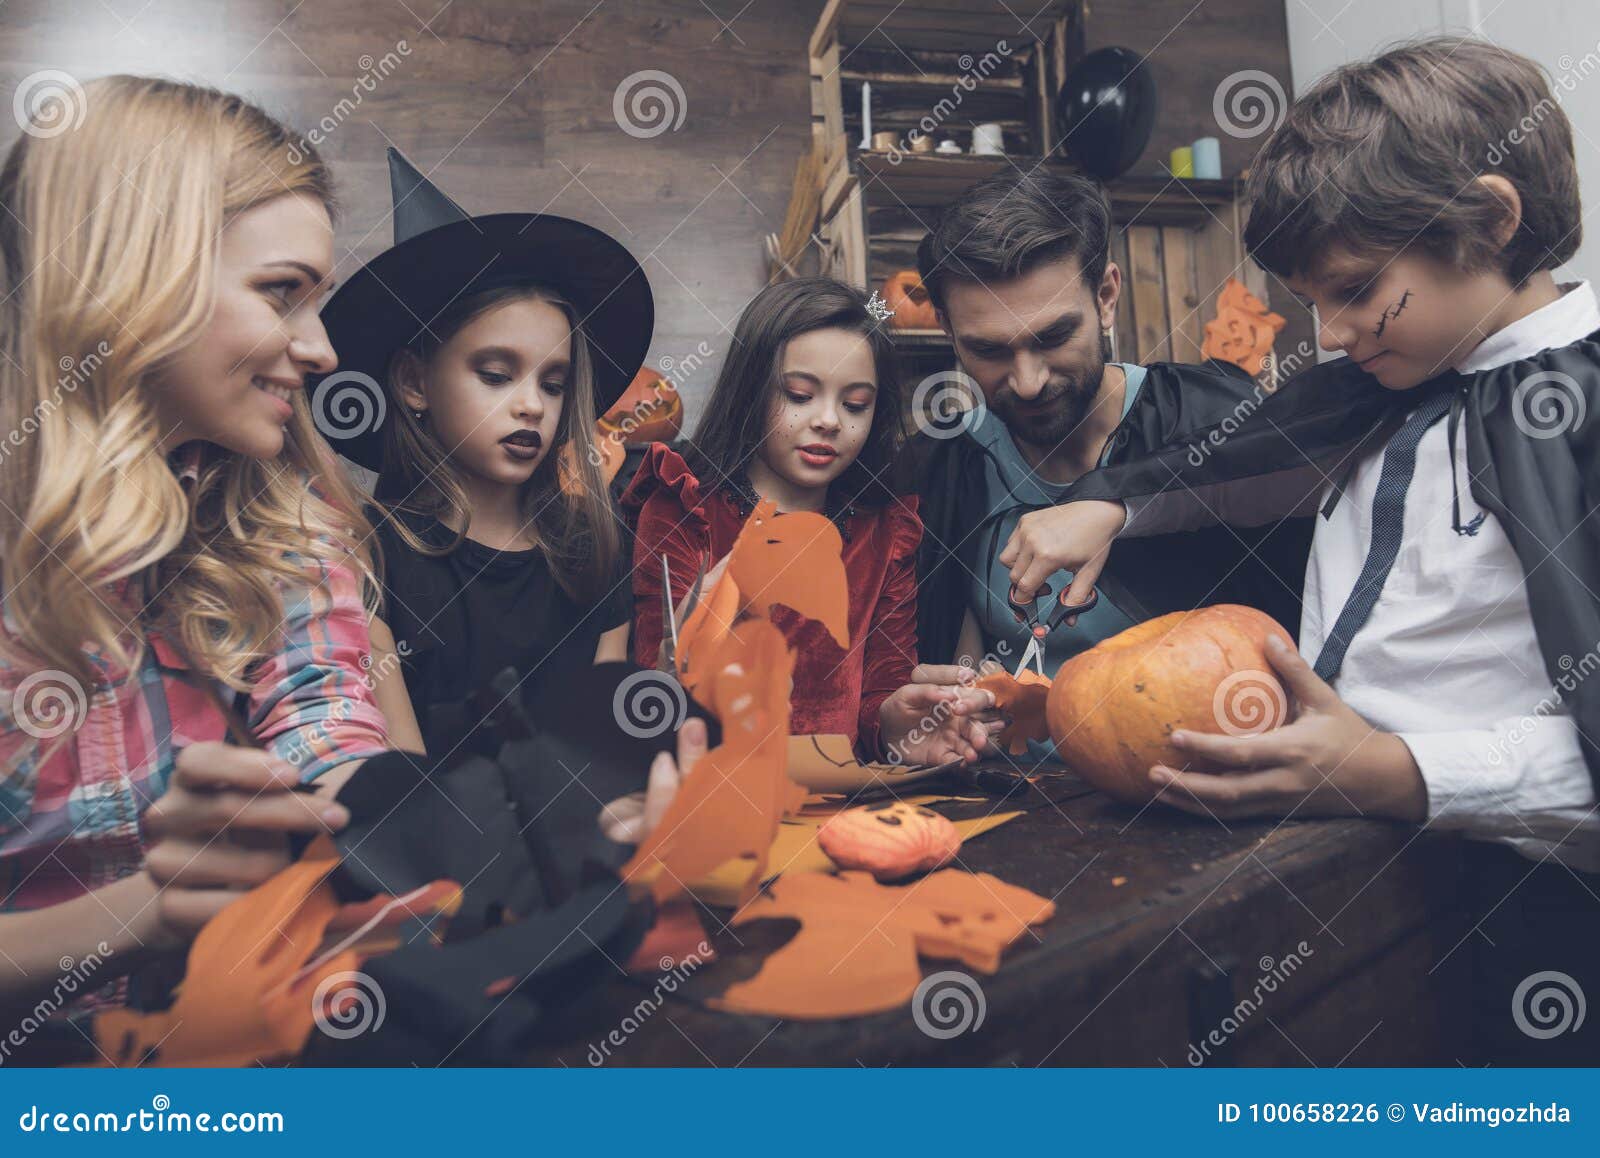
1388	524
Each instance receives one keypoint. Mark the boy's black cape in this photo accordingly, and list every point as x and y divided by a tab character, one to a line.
1532	432
1262	567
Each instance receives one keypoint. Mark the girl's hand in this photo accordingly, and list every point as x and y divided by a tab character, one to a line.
925	723
629	819
222	828
1073	537
1327	762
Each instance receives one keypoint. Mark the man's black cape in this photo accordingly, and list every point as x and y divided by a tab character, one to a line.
1532	436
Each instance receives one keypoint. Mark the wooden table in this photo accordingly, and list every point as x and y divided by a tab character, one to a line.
1165	923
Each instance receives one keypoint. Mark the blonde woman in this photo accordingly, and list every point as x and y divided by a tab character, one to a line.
174	536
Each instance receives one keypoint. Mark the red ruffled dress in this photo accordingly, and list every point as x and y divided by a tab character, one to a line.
834	691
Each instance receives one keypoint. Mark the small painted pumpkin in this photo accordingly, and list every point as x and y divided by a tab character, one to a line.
905	294
890	840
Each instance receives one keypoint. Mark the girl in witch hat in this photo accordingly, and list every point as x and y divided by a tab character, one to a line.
475	356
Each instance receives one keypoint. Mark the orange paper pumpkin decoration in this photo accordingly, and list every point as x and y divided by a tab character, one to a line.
890	840
1244	329
1112	708
904	293
1022	698
649	410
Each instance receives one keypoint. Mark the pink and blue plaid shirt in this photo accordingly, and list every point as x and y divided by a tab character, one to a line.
72	802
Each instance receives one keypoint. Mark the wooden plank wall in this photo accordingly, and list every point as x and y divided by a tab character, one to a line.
511	100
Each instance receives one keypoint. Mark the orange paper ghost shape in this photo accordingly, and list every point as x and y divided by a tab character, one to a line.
1022	698
856	951
1244	329
738	666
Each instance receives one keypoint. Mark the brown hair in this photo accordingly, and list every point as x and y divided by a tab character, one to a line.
575	525
1382	154
1013	222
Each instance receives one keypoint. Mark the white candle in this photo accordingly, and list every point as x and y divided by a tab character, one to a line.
866	114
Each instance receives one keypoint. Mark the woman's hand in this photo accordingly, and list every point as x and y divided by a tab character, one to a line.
929	723
629	819
222	828
1074	537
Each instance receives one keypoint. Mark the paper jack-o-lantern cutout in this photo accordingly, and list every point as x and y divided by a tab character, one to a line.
856	951
1243	331
738	665
890	840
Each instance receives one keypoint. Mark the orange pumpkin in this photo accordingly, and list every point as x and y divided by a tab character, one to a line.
905	294
1112	709
648	411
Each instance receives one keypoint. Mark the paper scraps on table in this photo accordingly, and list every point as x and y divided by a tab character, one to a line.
857	948
738	665
1022	698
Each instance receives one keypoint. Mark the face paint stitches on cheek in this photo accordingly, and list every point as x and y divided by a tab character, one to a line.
1390	313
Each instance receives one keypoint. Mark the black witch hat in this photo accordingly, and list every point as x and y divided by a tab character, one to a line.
440	254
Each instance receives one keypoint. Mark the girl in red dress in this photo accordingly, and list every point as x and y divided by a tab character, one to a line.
806	412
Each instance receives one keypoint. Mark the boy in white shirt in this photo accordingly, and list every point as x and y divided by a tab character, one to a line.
1451	617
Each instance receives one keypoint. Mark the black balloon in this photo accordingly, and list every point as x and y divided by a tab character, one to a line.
1105	111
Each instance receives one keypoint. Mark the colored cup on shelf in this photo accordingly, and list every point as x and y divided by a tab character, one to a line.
1207	159
1182	161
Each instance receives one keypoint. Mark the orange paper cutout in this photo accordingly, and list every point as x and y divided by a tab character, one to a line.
239	1002
738	666
1023	699
856	951
1244	329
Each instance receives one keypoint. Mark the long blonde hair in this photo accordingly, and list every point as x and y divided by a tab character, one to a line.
109	240
574	523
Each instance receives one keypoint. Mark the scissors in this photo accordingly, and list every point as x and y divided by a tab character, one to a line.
669	613
1039	628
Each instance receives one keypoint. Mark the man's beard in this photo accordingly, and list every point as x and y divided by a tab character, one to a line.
1057	413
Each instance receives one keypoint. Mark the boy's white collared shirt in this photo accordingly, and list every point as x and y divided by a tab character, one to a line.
1449	659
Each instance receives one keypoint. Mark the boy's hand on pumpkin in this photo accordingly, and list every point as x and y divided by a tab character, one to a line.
1073	537
925	723
1328	761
